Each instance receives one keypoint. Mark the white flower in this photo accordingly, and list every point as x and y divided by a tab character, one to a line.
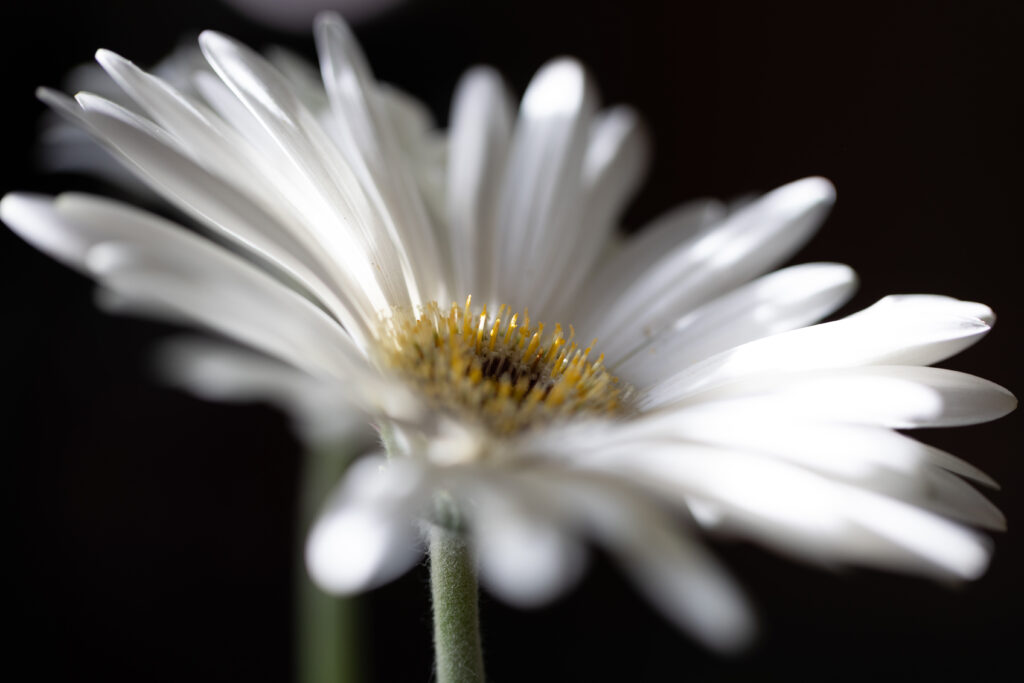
706	401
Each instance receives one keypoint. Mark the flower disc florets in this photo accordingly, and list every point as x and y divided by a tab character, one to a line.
498	370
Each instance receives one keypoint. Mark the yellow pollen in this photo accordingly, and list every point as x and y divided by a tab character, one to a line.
497	370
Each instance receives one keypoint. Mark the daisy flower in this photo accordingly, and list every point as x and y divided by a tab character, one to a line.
538	381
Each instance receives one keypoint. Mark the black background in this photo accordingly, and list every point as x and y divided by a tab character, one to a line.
151	534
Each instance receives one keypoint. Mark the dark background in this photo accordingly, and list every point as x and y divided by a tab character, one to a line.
151	534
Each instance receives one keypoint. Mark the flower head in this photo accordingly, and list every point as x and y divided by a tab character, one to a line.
538	381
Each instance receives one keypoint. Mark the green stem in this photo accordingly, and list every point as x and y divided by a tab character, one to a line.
326	626
456	623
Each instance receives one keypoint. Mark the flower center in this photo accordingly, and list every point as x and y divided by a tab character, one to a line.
497	369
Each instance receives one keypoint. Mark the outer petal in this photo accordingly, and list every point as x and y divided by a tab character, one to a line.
539	210
527	550
321	410
218	204
874	459
677	576
818	518
617	156
362	237
370	146
480	130
366	535
149	259
778	302
640	251
908	330
898	396
746	244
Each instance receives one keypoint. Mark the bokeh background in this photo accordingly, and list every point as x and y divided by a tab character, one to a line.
150	535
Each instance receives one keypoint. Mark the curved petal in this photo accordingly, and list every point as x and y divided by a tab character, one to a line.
370	147
673	571
322	411
479	133
907	330
345	218
539	209
366	535
617	156
149	259
230	213
898	396
747	243
639	251
818	518
778	302
527	554
873	458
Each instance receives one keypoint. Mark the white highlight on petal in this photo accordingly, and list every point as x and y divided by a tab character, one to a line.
540	195
817	518
639	251
777	302
366	535
161	266
618	153
906	330
746	244
344	219
479	135
898	397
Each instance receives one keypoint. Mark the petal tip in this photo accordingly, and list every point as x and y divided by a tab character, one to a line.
109	59
214	41
817	189
560	86
329	19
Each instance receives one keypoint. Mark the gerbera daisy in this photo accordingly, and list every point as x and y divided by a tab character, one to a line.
537	382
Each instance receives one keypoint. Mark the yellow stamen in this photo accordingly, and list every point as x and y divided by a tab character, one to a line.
497	370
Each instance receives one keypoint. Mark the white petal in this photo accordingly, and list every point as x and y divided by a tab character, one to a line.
322	410
875	459
921	304
777	302
64	147
745	245
674	572
33	218
344	218
371	148
527	555
686	585
366	535
948	494
412	119
539	210
966	399
481	125
641	250
899	397
214	202
797	511
303	76
186	273
617	156
891	332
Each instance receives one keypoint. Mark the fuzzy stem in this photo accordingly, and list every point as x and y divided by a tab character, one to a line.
456	624
326	631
